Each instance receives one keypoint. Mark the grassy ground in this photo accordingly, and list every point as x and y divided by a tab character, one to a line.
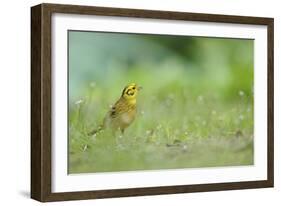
181	123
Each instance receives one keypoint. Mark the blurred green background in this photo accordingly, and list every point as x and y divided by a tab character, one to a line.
195	109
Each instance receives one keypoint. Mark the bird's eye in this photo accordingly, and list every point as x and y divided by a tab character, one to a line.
134	87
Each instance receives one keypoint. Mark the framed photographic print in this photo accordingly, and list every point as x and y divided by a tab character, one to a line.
130	102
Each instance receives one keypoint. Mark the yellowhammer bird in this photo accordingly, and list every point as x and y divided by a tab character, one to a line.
123	112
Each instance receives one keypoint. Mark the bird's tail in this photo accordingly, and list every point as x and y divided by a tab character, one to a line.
95	131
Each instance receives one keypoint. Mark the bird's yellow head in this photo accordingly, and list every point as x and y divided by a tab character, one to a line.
130	92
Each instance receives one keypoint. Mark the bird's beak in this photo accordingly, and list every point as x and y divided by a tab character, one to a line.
139	88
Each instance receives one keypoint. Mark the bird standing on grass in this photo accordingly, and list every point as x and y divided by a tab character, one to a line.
123	112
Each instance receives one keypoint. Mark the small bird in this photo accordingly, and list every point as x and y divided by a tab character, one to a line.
123	112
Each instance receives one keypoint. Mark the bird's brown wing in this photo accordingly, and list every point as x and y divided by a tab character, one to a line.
115	117
119	107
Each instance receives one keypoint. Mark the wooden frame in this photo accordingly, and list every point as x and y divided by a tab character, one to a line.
41	102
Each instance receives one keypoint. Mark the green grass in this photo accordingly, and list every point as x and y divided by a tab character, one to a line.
180	124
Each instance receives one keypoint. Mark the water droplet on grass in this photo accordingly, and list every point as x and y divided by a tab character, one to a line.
200	98
241	93
159	126
184	148
80	101
241	117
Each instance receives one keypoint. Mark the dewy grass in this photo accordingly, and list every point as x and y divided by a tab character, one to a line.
172	131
